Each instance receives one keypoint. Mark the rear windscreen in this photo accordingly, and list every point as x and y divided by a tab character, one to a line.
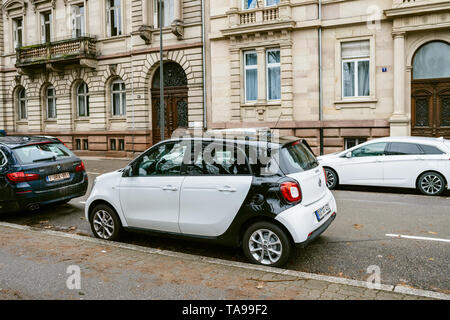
296	157
42	152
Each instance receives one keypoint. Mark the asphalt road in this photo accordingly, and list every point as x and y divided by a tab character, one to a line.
356	240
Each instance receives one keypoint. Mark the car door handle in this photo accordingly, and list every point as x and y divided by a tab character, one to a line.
169	188
227	189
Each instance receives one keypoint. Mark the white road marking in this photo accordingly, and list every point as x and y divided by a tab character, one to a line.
94	173
416	238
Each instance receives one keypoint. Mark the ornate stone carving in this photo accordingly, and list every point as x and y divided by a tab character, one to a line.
145	32
178	28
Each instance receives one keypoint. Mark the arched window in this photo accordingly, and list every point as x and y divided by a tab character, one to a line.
50	101
432	61
118	98
83	100
22	99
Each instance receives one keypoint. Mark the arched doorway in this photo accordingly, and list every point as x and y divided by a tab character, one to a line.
175	99
430	90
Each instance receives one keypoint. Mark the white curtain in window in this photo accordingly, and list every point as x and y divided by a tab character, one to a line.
348	78
363	78
273	75
251	76
272	2
250	4
355	49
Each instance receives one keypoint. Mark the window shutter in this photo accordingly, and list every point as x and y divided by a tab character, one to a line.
355	49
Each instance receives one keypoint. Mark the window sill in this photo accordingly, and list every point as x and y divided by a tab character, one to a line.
356	103
22	122
113	38
82	119
118	118
50	121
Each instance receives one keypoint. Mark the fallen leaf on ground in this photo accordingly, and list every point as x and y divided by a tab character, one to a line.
358	226
432	232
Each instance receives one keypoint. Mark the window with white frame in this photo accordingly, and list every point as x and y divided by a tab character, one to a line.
251	76
355	68
168	12
114	16
78	22
273	74
249	4
46	26
22	99
118	98
18	32
50	99
351	142
83	100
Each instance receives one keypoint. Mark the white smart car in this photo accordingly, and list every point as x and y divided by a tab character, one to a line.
216	190
407	162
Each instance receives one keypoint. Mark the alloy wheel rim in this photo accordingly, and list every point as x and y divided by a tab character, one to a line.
330	178
265	246
103	224
431	184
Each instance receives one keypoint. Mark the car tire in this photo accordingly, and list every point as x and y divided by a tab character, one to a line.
332	178
431	183
274	238
105	224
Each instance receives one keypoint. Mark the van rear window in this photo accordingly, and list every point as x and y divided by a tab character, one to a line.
296	157
42	152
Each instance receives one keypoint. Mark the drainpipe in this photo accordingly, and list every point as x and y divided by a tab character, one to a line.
320	77
204	66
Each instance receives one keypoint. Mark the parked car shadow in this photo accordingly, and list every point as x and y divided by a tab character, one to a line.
385	190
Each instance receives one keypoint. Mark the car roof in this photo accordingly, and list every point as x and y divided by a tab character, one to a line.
20	141
251	141
412	139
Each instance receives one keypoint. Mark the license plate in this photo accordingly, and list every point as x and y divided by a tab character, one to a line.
322	212
58	177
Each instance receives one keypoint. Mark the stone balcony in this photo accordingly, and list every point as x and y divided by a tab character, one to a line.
261	19
56	55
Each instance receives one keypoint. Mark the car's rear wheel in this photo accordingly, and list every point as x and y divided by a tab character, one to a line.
105	223
332	178
431	184
267	244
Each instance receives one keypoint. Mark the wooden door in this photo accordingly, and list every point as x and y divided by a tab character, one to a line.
430	109
175	100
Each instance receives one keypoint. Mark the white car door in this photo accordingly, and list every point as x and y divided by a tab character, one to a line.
364	167
150	194
213	192
402	164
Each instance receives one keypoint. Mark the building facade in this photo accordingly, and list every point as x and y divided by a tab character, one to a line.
87	71
337	72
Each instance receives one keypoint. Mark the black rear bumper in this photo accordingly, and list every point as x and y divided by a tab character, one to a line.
26	201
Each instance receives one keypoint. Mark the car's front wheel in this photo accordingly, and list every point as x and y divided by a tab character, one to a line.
431	184
267	244
105	223
332	178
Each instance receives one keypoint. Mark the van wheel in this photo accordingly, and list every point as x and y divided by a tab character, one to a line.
332	178
267	244
431	184
105	224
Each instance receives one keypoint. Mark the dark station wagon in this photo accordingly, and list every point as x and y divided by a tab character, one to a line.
37	171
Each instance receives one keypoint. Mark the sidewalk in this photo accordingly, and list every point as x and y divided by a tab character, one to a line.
33	265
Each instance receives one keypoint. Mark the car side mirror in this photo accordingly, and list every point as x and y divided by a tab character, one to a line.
348	155
127	171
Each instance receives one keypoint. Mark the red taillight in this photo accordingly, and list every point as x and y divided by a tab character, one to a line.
291	191
80	167
22	177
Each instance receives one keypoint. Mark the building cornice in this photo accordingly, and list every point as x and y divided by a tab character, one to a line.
417	10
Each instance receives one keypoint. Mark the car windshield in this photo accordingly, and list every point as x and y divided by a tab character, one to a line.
42	152
296	157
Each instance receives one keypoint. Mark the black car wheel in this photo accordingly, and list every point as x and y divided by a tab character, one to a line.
105	223
267	244
431	184
332	178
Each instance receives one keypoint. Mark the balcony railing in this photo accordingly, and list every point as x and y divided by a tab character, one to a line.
259	16
61	51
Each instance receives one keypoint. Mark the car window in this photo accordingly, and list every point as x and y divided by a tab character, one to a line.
42	152
218	159
164	159
370	150
3	159
431	149
296	158
403	149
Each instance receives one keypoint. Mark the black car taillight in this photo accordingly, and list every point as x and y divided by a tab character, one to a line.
291	191
22	177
